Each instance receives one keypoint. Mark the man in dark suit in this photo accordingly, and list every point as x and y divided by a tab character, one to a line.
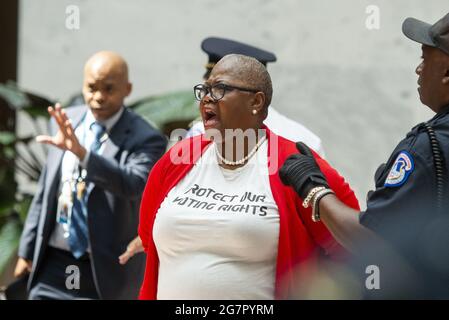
85	210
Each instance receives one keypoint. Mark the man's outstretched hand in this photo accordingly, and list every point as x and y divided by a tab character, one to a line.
302	172
23	267
134	247
65	138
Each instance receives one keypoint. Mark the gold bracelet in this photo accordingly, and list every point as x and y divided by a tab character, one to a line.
315	204
309	197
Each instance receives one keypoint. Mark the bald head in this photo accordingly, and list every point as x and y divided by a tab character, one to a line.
250	71
105	83
107	63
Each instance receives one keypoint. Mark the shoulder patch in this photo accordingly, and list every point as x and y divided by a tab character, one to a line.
400	171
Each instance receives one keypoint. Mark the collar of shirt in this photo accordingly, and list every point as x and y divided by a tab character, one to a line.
108	123
442	112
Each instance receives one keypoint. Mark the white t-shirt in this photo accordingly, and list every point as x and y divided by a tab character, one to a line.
280	125
216	233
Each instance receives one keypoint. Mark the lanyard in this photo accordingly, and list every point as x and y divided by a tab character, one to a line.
75	186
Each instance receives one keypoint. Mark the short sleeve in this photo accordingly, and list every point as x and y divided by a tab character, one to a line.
401	198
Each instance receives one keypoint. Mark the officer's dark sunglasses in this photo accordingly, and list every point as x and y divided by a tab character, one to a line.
217	91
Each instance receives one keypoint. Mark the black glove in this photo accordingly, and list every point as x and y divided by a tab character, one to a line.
302	172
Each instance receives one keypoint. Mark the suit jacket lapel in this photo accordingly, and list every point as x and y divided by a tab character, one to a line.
117	135
115	140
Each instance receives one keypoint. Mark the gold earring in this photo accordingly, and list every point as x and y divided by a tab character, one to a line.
254	111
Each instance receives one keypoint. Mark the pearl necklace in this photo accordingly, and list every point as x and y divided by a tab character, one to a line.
241	161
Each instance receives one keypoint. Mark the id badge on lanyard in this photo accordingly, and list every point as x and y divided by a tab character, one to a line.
73	187
65	205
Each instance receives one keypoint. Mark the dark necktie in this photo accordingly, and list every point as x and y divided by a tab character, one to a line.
78	230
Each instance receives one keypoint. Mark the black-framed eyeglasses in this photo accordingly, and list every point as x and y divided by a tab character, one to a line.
217	91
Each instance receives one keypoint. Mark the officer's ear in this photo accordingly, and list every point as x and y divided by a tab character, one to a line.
446	77
446	74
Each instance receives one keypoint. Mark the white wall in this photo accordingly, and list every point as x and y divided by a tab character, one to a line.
354	87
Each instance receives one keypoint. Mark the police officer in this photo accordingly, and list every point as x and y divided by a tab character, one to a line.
408	213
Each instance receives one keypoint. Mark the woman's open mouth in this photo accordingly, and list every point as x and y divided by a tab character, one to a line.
210	118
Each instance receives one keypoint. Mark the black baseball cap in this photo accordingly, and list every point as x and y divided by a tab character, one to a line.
436	35
217	48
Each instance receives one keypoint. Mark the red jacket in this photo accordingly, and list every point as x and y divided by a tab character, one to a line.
300	239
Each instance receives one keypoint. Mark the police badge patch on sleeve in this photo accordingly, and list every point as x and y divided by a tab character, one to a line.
400	171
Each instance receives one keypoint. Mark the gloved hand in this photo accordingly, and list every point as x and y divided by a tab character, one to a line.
302	172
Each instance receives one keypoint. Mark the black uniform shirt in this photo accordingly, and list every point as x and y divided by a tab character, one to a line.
403	208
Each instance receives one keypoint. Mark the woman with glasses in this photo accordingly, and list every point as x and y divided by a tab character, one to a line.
216	221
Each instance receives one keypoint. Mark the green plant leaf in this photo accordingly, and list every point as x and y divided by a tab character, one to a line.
9	242
9	153
20	99
7	191
172	107
7	138
6	204
15	97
